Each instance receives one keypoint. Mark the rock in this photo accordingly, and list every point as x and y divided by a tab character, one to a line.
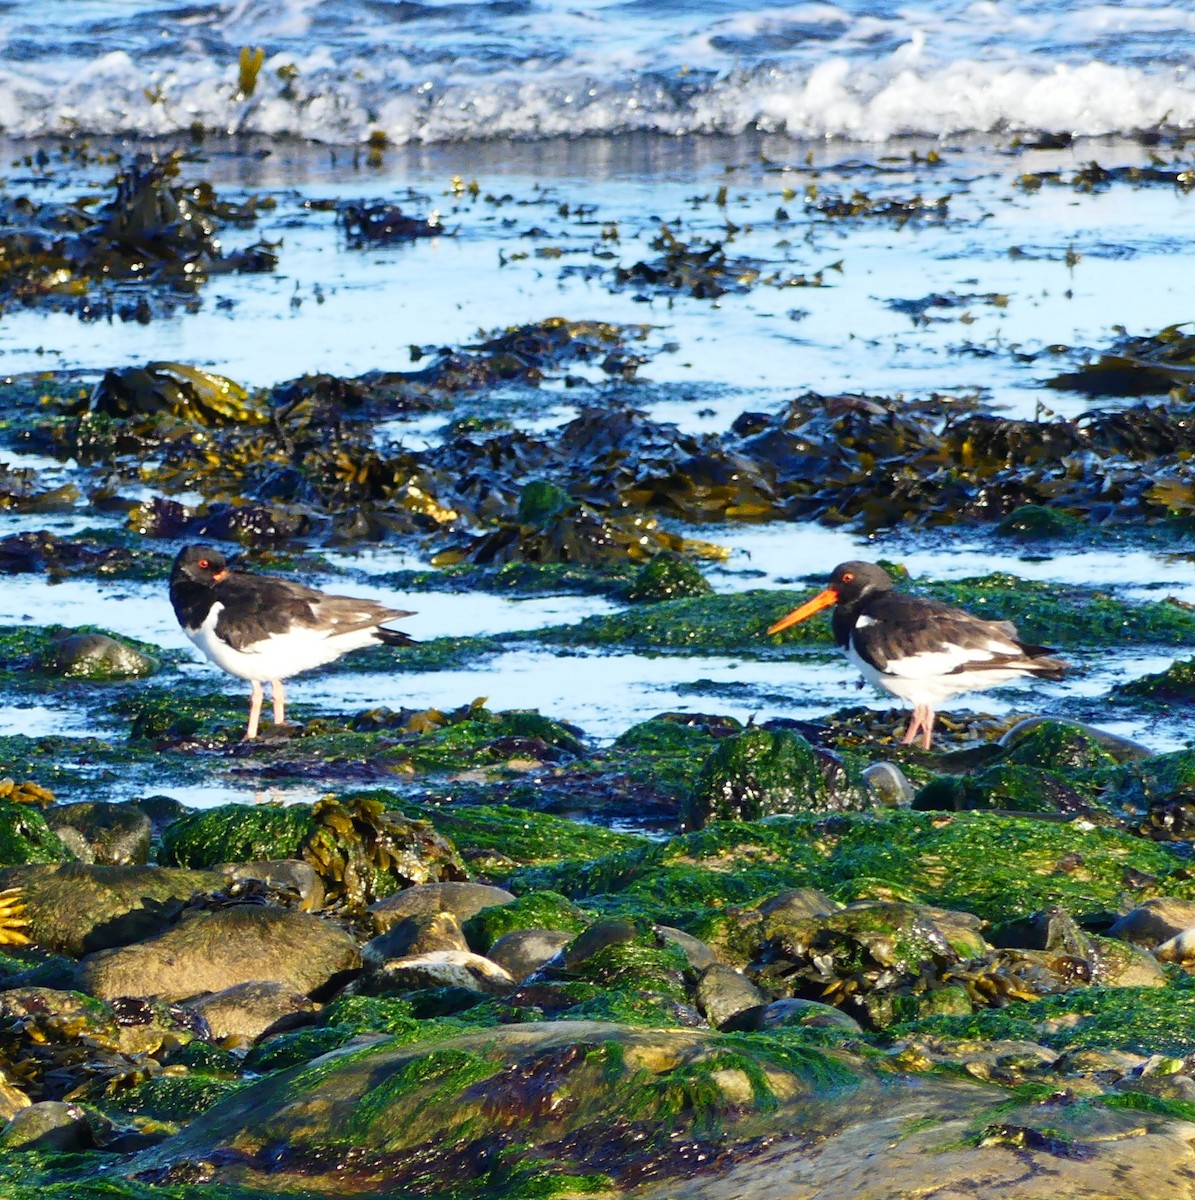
764	1122
1026	732
1118	964
600	935
760	772
1058	746
463	900
1154	921
600	1093
99	658
421	933
521	952
532	910
286	874
796	904
722	993
48	1125
793	1013
888	785
697	954
113	834
217	950
249	1011
26	838
438	969
12	1098
78	908
1178	949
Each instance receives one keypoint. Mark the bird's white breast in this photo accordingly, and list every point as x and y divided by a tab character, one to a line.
279	655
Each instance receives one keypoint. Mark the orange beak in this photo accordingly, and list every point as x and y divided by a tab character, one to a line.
820	601
220	576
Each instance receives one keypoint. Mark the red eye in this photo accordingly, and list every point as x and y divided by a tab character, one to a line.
847	576
204	564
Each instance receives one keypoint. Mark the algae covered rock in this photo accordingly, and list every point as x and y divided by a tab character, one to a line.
99	658
761	772
533	910
360	849
25	837
591	1102
113	834
462	899
76	908
667	577
217	950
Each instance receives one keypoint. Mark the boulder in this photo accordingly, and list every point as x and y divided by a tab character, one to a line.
463	900
113	834
521	952
216	950
249	1011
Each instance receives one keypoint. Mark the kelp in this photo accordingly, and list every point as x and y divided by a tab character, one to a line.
154	234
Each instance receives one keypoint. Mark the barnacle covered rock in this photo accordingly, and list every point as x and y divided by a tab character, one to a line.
761	772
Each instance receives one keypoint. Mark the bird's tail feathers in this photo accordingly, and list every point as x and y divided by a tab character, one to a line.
394	637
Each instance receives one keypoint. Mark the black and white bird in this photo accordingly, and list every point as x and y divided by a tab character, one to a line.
921	650
262	628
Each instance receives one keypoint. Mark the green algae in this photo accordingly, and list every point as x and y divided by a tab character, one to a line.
666	753
533	910
521	837
990	865
1055	614
296	1047
175	1097
1140	1020
234	833
1176	684
1056	746
667	577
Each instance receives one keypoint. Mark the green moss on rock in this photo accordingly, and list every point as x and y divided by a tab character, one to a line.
235	833
668	577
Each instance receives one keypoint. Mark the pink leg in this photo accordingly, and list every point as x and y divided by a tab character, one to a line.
256	697
922	723
279	694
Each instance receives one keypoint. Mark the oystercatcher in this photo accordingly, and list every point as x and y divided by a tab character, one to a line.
920	650
260	627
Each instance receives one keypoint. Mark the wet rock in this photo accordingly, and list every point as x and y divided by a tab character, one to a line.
112	834
521	952
792	1013
77	908
1037	523
1154	921
422	933
26	838
722	993
48	1125
99	658
759	773
216	950
288	875
667	577
249	1011
437	969
1118	964
462	900
587	1096
697	954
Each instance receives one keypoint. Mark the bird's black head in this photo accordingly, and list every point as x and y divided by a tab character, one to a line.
200	564
851	580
